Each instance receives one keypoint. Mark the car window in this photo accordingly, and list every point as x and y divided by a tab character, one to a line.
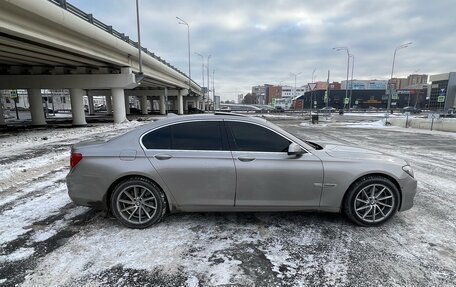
158	139
250	137
197	136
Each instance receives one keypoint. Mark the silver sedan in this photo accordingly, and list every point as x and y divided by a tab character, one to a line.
234	163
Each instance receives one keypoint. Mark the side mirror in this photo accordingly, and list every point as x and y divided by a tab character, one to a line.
294	149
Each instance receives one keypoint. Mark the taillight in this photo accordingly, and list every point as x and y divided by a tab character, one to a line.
75	158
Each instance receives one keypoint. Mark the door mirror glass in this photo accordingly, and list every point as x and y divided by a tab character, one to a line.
295	149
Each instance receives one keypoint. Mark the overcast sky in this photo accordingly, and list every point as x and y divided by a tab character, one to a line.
257	42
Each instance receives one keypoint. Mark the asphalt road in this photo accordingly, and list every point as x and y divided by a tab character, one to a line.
45	240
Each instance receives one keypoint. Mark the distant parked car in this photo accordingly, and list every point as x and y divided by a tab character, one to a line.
328	109
100	108
195	111
135	111
279	109
228	162
411	109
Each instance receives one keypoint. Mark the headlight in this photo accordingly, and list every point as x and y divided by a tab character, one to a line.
408	169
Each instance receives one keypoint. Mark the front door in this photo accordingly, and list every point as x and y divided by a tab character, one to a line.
266	175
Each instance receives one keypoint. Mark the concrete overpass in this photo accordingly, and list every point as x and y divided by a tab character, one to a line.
54	45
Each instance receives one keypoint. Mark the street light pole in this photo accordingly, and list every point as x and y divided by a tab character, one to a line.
295	76
348	67
208	82
139	38
351	82
213	86
182	22
202	71
392	71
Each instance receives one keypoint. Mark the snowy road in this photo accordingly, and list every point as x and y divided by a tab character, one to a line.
45	240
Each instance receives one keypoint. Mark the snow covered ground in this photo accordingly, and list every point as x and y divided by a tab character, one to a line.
46	240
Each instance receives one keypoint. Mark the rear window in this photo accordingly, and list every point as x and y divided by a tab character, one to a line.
186	136
158	139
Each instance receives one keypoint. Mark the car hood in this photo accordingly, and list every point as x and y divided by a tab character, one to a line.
356	153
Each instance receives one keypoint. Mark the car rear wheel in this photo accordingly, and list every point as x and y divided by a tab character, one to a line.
371	201
138	203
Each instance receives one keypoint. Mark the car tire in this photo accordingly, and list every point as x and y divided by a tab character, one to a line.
371	201
138	203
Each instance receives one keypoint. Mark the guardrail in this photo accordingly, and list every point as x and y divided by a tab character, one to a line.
107	28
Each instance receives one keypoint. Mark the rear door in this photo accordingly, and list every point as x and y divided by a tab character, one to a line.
195	162
266	175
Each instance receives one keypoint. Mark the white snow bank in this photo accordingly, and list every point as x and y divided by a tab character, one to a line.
20	254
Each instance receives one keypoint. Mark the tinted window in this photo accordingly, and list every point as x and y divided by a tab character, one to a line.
249	137
158	139
197	136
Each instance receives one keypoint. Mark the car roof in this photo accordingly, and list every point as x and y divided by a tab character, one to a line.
173	118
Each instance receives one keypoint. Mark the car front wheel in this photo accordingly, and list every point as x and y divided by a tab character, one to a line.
138	203
371	201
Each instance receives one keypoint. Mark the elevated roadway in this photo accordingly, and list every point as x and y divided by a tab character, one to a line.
54	45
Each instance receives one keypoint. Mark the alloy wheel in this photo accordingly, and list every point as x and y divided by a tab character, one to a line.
374	203
136	204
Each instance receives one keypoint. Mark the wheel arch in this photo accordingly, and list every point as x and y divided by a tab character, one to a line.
108	194
389	177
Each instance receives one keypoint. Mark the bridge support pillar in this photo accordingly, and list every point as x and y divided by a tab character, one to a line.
118	103
36	107
162	105
91	106
144	105
2	117
180	104
127	104
77	107
108	105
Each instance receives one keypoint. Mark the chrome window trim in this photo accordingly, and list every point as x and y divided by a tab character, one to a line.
216	120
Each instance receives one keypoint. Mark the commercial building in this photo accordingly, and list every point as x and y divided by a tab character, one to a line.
362	99
289	91
416	79
442	95
260	92
273	93
365	84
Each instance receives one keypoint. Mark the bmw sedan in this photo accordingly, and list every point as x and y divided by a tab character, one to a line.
228	162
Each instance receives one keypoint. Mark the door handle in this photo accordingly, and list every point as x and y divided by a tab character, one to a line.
162	156
245	159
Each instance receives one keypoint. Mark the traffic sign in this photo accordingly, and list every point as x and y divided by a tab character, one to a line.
433	116
312	86
13	94
442	92
346	100
441	99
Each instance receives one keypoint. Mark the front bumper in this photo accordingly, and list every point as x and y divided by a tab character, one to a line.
408	187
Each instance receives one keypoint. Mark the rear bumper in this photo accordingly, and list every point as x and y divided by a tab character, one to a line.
408	187
84	190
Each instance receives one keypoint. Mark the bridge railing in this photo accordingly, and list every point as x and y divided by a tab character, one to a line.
107	28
